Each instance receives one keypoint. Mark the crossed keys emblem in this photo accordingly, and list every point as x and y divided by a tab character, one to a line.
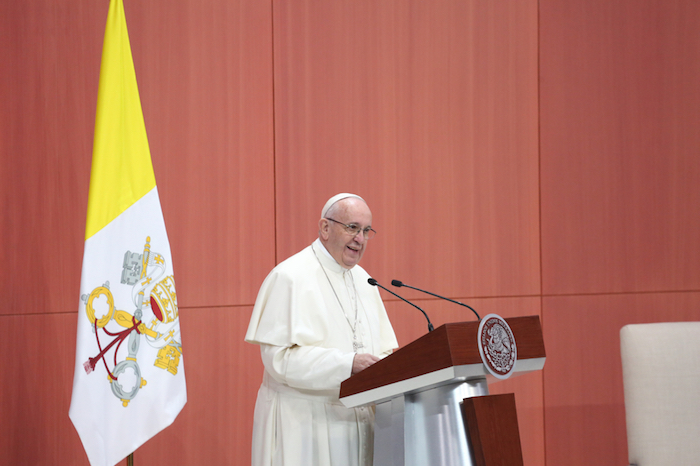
155	300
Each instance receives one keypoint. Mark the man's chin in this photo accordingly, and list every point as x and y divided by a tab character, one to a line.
351	257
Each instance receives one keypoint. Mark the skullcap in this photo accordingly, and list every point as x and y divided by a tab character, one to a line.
336	198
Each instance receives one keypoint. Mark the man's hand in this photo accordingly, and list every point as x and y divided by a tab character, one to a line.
363	361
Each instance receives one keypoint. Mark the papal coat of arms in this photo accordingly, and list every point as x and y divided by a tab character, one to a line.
153	319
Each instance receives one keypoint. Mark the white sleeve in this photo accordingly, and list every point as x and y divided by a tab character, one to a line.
307	367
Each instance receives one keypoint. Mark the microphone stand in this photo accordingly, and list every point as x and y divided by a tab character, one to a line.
398	284
374	282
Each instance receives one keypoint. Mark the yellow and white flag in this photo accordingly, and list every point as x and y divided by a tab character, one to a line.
129	380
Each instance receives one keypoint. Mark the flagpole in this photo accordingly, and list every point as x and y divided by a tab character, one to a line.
130	460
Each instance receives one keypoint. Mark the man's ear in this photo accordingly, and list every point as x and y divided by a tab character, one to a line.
324	229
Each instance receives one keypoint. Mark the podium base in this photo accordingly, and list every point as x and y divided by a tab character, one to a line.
425	427
492	424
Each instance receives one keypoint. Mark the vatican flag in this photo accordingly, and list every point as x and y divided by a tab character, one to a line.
129	380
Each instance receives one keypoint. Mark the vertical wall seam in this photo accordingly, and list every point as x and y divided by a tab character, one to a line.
539	188
274	129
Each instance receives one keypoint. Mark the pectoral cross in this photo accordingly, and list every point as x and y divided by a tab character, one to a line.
356	345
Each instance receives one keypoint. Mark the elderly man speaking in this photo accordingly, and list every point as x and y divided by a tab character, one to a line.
317	322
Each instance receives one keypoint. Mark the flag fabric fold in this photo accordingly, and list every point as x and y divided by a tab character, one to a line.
129	380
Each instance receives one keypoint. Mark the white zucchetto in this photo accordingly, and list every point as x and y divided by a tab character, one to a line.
336	198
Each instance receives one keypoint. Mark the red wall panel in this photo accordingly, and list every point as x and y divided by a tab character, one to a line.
205	75
37	366
584	400
620	185
430	112
620	174
48	93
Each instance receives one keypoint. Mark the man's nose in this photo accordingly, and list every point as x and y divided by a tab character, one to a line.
360	237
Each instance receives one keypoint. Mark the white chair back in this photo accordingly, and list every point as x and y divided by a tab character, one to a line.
661	376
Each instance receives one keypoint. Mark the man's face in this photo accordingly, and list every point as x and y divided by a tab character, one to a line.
347	250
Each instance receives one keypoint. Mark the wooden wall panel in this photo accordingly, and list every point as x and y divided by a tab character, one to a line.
584	400
205	75
48	93
620	108
37	369
429	111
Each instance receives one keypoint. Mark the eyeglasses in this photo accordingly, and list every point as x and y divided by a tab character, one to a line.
354	229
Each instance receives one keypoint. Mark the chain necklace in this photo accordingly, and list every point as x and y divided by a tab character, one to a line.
356	345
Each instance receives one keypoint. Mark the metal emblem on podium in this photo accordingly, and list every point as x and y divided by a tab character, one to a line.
497	346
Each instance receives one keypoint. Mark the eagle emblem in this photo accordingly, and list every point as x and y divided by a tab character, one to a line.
497	346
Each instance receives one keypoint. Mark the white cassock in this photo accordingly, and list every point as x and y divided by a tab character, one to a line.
303	320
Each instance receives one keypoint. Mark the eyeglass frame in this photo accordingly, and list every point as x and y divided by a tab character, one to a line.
348	229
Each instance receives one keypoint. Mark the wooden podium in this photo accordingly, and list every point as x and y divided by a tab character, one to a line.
432	402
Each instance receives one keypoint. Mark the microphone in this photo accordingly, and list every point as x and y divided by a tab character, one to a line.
398	283
374	282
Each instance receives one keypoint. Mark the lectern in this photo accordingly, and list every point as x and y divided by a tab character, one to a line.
421	390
